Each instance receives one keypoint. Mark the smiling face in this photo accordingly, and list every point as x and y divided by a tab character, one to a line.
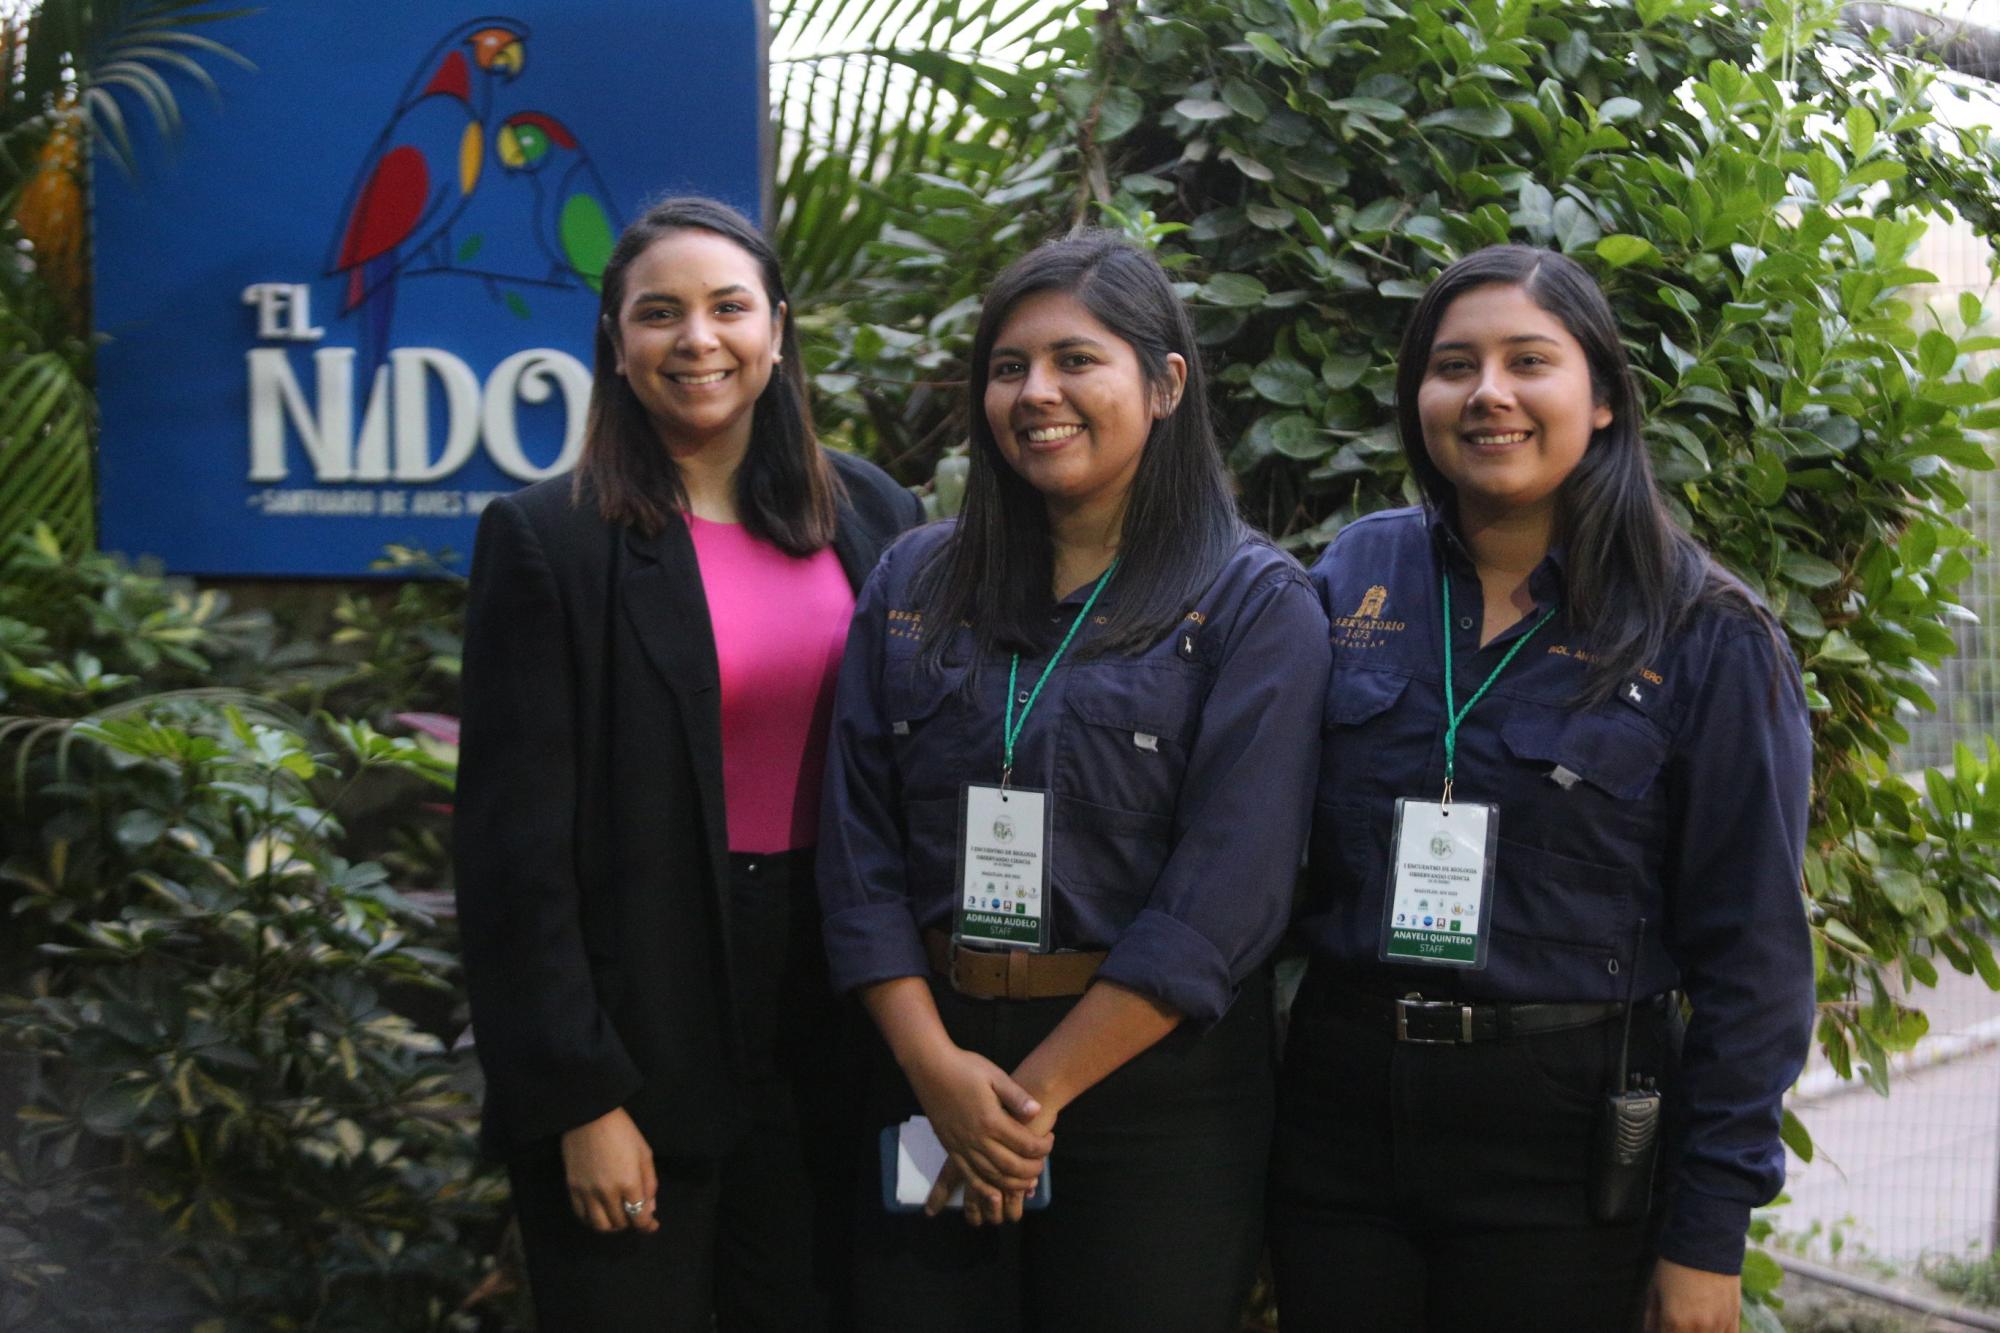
1069	404
1506	403
697	338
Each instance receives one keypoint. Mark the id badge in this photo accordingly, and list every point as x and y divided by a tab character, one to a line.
1003	867
1440	883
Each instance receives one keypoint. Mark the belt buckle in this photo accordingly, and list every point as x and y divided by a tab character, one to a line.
961	956
1418	1003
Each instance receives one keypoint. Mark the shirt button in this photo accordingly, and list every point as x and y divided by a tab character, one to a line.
750	868
1021	698
1465	622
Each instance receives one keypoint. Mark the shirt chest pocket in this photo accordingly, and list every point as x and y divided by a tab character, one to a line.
1596	791
1361	757
1128	729
1358	696
923	703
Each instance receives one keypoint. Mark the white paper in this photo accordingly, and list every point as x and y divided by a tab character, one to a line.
919	1160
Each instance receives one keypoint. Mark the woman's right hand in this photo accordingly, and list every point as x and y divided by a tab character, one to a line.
977	1111
608	1163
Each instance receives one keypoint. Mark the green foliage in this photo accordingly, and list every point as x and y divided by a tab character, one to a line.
90	51
917	159
47	409
214	1004
1974	1279
228	1016
889	370
78	632
403	643
873	91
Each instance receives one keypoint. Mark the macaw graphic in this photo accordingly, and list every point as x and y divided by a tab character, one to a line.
421	171
575	223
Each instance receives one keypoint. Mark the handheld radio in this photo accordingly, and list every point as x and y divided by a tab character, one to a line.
1628	1128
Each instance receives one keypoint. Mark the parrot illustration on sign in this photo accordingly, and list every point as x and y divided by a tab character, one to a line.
421	170
575	223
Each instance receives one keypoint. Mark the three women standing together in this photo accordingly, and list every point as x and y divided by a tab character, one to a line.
1551	763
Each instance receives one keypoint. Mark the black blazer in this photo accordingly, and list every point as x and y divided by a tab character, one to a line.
590	843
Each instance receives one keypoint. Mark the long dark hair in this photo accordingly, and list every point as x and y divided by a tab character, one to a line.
786	493
1631	575
1180	522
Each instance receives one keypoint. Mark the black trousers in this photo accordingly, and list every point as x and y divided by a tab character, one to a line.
1155	1218
755	1240
1419	1187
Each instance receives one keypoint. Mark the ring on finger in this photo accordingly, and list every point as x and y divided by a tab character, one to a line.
633	1209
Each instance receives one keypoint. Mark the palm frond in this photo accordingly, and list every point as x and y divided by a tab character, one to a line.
866	91
102	59
92	48
45	418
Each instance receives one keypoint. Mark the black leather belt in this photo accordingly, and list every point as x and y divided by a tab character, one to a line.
1451	1022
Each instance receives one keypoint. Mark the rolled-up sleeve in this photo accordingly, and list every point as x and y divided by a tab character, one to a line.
1736	927
1222	899
551	1057
870	926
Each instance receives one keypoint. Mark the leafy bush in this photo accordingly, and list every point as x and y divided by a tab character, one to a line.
230	1107
1973	1278
1749	184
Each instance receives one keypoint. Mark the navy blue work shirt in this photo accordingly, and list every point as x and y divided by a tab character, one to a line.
1180	779
1682	801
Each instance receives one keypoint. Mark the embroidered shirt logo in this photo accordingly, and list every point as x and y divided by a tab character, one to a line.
1366	628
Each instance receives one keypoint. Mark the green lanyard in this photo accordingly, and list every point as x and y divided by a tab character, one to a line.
1452	712
1010	730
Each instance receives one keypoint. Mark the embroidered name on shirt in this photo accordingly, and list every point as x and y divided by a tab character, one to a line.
1646	674
906	624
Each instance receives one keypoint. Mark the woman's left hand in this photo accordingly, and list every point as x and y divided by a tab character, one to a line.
1692	1300
978	1209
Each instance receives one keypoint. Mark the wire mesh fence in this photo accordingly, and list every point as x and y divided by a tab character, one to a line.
1967	691
1906	1187
1913	1177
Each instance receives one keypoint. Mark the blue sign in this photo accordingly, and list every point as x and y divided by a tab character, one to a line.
353	301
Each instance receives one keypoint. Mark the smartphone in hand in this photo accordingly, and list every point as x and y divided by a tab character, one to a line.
912	1157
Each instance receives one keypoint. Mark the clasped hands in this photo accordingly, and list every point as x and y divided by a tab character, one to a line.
996	1134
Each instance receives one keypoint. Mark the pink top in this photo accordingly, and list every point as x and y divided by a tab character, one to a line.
780	628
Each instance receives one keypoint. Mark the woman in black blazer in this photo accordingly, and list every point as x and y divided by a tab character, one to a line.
647	683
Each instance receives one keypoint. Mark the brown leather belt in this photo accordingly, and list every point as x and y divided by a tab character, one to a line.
1010	974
